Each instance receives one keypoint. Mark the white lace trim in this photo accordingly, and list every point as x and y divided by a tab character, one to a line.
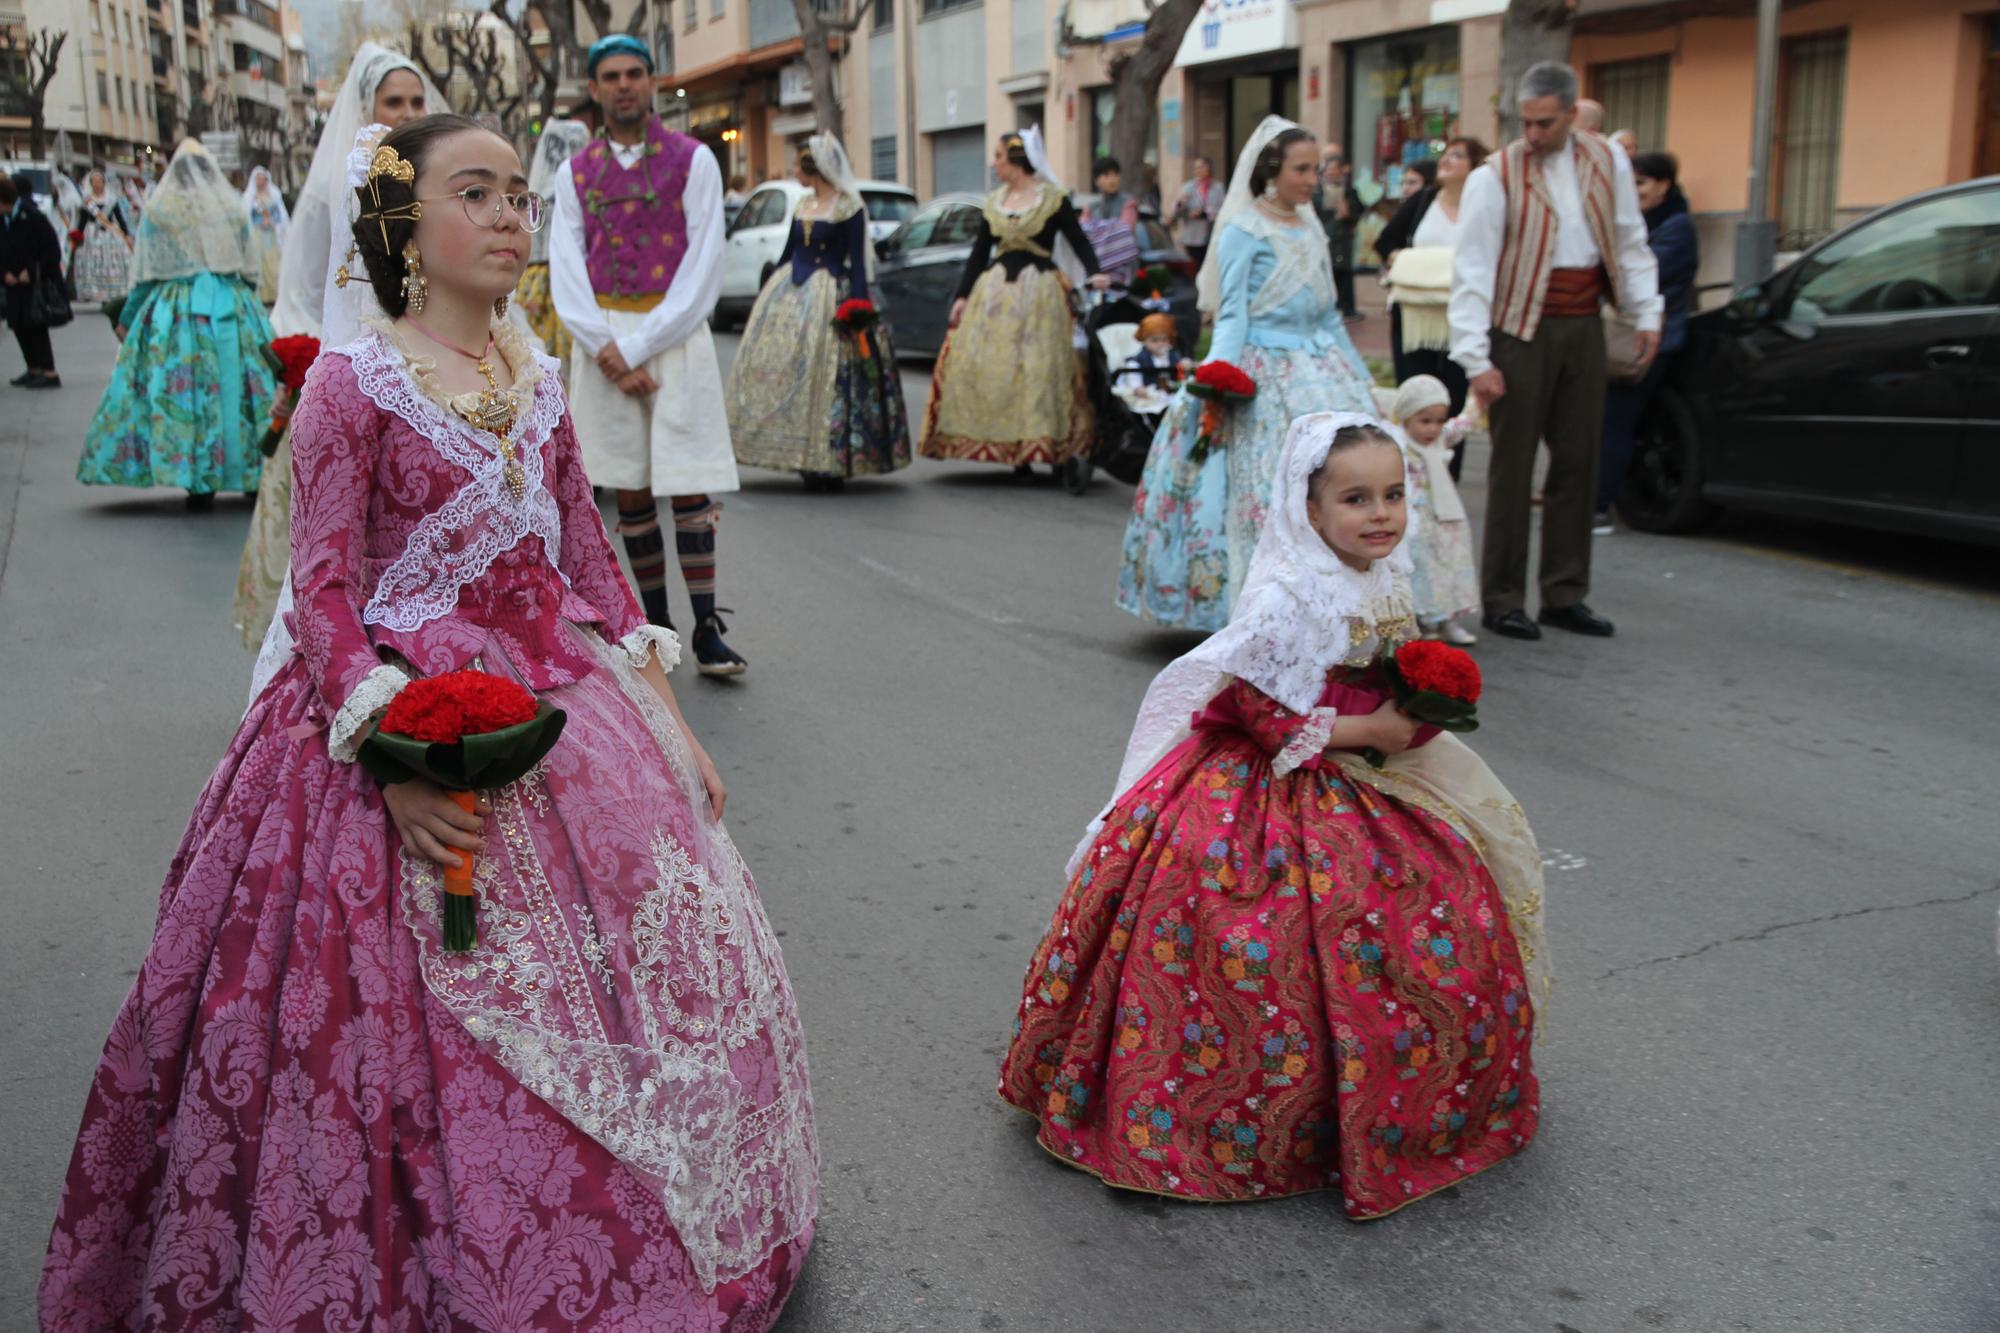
1303	264
457	542
1310	741
371	696
646	640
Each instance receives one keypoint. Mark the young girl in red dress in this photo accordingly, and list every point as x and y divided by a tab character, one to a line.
1279	968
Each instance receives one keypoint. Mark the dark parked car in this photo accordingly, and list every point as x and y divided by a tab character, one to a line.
1860	384
919	266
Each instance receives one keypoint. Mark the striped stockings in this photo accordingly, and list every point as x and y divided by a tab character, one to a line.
647	550
694	542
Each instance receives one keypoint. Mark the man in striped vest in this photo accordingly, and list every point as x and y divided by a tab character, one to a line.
1549	230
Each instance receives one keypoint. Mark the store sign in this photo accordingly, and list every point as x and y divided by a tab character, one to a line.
1231	29
795	85
224	149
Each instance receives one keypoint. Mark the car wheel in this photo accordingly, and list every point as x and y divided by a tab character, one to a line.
1662	491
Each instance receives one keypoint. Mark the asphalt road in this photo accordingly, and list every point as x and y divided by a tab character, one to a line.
1770	1072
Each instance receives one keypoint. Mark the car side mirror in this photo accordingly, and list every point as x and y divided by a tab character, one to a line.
1752	305
885	247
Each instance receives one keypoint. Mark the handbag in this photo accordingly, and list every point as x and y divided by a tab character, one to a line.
1621	347
48	300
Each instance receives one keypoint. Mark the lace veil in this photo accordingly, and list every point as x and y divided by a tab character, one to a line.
273	200
1208	283
193	223
561	140
1067	261
1301	612
303	269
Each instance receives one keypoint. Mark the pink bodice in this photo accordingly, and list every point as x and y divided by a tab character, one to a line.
406	540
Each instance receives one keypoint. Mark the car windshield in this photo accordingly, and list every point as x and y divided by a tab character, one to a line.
886	207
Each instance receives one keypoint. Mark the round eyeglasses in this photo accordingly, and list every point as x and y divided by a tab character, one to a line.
484	206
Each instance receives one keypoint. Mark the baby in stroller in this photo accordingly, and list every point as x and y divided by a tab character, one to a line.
1146	380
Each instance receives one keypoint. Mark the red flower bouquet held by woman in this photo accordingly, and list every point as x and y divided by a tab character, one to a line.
465	731
1217	384
1434	683
291	358
854	318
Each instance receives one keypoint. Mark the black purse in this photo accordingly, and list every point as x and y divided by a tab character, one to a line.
48	300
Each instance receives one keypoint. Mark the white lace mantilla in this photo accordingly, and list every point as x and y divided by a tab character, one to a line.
458	541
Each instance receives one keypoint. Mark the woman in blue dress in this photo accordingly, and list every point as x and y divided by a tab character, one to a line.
803	396
1268	280
191	394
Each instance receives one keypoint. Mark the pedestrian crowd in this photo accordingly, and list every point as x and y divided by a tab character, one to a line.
522	1052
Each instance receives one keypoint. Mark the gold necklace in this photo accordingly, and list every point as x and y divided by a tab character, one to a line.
494	410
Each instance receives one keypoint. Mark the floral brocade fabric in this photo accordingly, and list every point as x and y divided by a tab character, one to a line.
1262	985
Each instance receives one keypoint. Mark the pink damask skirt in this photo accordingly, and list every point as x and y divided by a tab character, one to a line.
295	1125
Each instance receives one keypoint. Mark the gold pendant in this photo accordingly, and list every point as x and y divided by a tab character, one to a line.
517	481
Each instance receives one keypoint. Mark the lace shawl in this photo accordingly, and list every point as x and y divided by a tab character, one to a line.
458	541
1302	612
1302	264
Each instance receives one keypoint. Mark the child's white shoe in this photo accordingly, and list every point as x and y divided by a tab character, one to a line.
1458	635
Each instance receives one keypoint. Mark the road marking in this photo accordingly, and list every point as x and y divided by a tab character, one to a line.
915	584
1555	858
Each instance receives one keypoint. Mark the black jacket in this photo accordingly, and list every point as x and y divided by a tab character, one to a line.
27	242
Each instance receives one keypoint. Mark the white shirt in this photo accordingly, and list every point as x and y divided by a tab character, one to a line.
696	283
1435	228
1482	229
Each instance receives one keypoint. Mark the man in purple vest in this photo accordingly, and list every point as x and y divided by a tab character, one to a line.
635	265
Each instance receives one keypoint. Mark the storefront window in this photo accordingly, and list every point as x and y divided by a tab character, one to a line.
1403	105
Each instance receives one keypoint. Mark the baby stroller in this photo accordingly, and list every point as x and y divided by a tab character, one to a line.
1124	434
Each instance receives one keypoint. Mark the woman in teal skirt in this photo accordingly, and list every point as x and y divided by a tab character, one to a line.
191	394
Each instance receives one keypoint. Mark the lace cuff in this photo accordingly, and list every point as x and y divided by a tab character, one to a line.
652	638
371	696
1309	741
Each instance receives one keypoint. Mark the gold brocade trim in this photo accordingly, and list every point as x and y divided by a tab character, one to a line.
638	302
1017	231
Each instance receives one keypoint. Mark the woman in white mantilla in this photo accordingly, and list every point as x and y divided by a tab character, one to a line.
1268	282
805	396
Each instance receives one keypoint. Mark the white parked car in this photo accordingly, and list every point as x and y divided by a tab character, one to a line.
757	236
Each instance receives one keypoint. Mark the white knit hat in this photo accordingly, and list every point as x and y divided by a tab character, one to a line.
1417	393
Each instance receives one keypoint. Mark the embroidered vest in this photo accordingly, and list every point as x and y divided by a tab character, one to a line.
1527	254
634	218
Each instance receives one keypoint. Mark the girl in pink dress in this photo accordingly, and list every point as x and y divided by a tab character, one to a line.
1278	968
308	1115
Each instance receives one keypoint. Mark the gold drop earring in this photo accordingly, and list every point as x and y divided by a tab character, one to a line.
415	285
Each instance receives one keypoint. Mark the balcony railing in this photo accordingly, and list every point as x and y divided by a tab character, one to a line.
260	14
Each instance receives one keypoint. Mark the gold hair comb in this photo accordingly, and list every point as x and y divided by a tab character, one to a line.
388	162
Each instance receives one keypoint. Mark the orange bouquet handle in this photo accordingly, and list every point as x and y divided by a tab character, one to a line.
458	878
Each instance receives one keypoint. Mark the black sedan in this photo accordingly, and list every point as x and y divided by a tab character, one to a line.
1859	384
918	267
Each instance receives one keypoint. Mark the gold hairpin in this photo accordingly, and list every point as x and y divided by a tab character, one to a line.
388	162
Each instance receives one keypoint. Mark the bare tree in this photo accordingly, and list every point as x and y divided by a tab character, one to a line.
471	48
550	40
820	23
1136	74
27	67
1531	31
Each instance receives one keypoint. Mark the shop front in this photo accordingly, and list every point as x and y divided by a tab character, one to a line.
1403	105
1240	63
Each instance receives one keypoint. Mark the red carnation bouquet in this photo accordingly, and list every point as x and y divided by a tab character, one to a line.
75	237
1434	683
1217	384
290	359
1151	282
466	731
854	318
